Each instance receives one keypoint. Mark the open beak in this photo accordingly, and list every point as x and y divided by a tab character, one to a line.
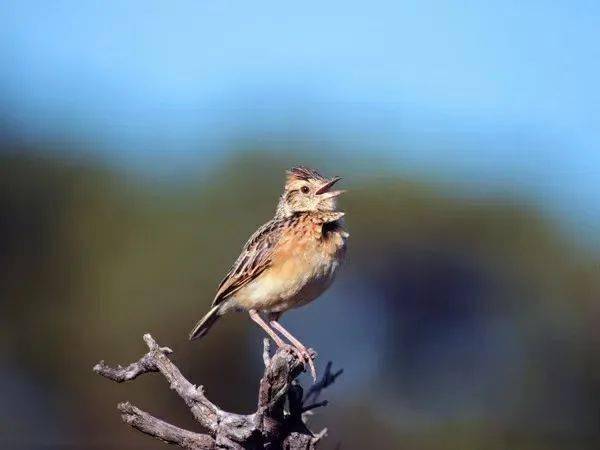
326	193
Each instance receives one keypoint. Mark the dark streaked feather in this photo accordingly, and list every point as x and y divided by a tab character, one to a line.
305	173
254	259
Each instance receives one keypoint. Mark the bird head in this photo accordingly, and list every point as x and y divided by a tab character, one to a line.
307	190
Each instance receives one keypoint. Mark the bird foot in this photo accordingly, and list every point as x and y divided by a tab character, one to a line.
306	356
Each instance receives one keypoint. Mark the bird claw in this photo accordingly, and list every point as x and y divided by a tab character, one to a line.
306	356
310	357
311	365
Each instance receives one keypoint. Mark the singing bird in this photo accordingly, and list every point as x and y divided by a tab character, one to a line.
287	262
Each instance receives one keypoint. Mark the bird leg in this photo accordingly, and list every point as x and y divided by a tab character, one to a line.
297	346
261	323
304	353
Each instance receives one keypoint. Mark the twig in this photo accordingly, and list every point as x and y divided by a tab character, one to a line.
269	427
326	380
156	360
266	352
164	431
314	406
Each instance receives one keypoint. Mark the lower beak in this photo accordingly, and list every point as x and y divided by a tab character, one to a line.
325	188
331	194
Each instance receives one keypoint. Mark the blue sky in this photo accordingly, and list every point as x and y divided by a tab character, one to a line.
493	94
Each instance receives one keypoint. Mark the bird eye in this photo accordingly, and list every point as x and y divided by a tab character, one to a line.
305	189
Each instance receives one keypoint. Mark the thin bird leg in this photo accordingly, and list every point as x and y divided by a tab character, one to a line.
301	348
260	321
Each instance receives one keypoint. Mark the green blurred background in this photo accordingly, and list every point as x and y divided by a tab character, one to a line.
141	144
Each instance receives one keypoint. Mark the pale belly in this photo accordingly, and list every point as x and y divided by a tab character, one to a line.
293	282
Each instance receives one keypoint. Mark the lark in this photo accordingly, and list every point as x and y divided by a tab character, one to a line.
288	262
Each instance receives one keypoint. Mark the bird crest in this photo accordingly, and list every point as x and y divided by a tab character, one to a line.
303	173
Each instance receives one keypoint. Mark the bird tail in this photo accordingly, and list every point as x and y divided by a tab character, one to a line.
205	323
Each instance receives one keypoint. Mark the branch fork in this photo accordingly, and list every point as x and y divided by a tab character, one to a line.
271	426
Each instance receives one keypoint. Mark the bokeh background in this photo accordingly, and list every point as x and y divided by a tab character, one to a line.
141	143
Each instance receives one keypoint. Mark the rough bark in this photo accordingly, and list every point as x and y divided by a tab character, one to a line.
278	423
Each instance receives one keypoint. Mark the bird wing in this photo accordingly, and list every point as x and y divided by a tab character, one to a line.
254	259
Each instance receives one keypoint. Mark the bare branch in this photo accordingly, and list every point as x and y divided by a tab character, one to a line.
164	431
266	351
314	406
320	435
269	427
121	374
328	379
156	360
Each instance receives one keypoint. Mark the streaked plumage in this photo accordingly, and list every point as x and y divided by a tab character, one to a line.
290	260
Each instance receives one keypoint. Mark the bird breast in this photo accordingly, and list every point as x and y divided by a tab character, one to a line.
303	267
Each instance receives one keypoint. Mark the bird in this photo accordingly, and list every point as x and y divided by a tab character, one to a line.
288	262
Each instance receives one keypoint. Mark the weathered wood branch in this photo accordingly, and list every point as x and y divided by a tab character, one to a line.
272	426
164	431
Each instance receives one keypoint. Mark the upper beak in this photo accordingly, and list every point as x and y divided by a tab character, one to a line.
325	188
